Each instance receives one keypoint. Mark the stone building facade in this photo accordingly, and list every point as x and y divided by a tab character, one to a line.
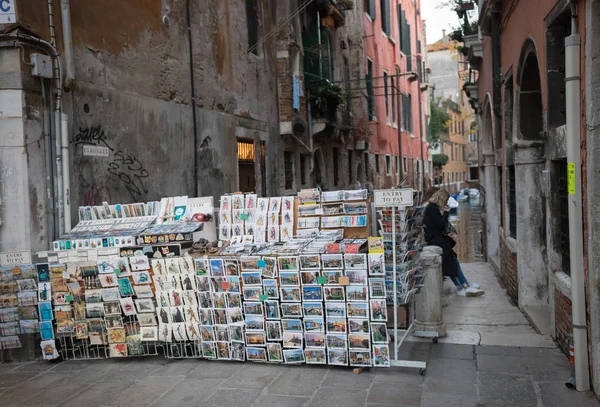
519	97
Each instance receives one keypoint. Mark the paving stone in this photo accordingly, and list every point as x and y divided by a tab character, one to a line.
134	371
7	367
215	369
398	376
298	381
414	355
383	393
327	397
101	393
54	395
75	365
431	399
545	358
503	390
273	400
498	350
98	370
190	392
450	387
232	398
177	368
35	367
557	395
452	351
11	379
37	384
555	374
344	378
252	376
144	392
501	364
453	370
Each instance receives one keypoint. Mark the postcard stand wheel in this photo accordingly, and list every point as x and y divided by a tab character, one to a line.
401	232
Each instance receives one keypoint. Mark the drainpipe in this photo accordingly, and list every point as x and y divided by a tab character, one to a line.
66	171
573	104
65	12
399	104
422	172
496	69
310	137
193	91
50	216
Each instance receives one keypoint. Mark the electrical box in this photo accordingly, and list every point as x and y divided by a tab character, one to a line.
41	66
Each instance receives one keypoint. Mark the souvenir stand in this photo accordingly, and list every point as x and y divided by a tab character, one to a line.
19	318
398	224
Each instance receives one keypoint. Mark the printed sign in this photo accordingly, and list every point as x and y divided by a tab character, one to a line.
571	189
7	12
9	258
95	151
393	197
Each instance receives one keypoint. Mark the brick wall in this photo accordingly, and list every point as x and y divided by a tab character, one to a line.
286	89
509	271
562	320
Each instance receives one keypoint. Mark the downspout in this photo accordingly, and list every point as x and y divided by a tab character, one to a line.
50	216
310	137
573	110
400	119
193	91
65	12
66	171
422	172
496	70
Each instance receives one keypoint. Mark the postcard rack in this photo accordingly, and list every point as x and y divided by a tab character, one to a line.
401	229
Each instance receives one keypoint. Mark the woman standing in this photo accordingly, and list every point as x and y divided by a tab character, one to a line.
435	221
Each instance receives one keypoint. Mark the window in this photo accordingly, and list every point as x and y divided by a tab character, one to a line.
563	215
394	95
388	165
377	169
406	112
386	93
512	202
263	168
304	163
252	23
396	167
508	110
404	164
288	166
404	28
370	9
336	167
370	91
385	16
367	166
463	152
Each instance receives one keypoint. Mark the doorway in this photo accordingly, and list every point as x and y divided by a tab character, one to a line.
246	171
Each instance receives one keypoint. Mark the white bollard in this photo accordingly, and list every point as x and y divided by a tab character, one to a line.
428	302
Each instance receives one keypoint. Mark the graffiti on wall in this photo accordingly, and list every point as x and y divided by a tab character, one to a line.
131	172
127	168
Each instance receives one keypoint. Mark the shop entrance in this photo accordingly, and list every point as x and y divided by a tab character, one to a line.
246	173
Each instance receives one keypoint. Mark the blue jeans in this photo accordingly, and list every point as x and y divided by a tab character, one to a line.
460	281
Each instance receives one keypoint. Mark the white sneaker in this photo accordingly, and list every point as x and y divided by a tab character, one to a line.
474	292
474	285
461	292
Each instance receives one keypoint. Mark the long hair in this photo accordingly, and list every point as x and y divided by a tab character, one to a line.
440	198
428	194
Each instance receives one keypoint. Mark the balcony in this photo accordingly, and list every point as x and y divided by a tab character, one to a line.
486	8
475	47
333	12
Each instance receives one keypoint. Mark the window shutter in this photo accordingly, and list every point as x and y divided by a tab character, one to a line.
404	33
400	36
388	29
372	9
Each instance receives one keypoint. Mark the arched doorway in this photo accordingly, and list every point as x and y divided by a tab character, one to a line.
529	213
490	177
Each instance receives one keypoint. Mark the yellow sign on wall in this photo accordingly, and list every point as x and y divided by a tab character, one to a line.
571	178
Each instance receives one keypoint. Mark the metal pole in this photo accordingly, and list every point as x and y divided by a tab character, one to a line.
399	104
395	281
573	104
310	138
193	96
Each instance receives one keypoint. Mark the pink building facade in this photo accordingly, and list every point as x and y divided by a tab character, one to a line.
396	89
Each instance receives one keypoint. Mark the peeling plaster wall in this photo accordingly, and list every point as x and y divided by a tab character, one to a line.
132	94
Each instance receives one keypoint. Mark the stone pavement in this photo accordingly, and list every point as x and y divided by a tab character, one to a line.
457	375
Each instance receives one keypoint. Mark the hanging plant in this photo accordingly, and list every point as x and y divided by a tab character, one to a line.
327	97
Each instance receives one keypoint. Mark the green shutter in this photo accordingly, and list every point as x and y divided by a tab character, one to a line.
372	9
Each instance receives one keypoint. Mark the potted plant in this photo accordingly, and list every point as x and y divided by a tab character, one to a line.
326	99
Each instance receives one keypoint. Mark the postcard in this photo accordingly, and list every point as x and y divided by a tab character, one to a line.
149	333
355	261
127	306
44	292
378	310
118	350
272	309
46	330
234	300
336	325
313	309
251	278
141	277
289	263
293	356
336	309
314	340
358	310
147	319
255	339
113	321
291	325
109	280
334	293
332	261
312	293
337	341
291	310
139	263
315	356
357	293
180	332
94	310
27	284
64	326
142	291
254	323
112	308
381	356
252	294
357	277
254	308
275	352
216	267
376	264
274	331
27	298
81	330
309	277
145	305
292	340
256	354
291	294
270	289
289	278
63	311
